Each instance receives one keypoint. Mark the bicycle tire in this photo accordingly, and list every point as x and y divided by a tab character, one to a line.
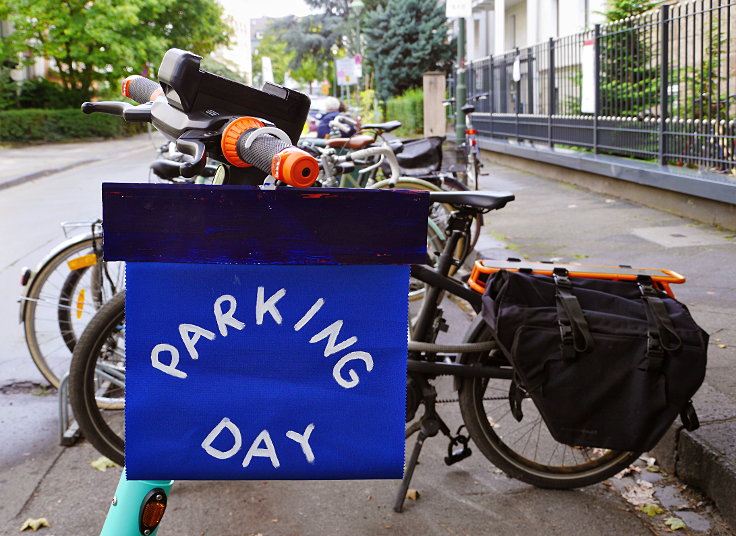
49	327
97	380
525	450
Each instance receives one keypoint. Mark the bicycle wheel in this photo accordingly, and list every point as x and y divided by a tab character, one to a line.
97	380
69	287
525	450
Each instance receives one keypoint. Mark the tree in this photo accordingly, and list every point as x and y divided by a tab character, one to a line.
630	84
404	40
271	46
315	40
92	41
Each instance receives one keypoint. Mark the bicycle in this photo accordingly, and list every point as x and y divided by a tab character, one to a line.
61	295
524	450
472	163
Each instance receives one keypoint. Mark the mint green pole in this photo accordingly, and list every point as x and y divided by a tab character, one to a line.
123	516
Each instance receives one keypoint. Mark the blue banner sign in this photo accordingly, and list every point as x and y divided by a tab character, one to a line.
290	368
265	372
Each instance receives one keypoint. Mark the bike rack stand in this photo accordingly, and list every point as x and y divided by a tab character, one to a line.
69	432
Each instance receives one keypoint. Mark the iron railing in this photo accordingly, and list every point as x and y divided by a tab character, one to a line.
660	86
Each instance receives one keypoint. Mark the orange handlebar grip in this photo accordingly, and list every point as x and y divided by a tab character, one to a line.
295	167
230	136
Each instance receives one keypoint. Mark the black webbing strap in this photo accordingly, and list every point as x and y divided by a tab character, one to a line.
660	329
574	330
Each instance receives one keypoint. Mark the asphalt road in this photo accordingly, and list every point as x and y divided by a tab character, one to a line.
39	478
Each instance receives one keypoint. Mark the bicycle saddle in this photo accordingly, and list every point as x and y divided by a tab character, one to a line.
480	200
355	142
386	127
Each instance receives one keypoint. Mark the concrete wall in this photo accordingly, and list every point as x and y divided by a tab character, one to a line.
696	208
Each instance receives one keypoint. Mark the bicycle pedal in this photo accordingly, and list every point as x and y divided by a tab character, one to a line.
457	455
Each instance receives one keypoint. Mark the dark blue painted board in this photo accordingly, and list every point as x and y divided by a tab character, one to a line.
247	225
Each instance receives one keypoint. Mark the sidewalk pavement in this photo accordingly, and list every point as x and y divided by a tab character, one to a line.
557	221
23	164
547	221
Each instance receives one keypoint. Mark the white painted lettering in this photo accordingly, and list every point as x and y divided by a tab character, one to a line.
226	319
354	380
216	453
262	452
308	316
189	341
171	367
331	333
269	306
303	440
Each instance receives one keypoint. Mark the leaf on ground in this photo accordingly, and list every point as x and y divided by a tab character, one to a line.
412	494
722	346
651	509
675	523
641	493
34	524
627	471
102	463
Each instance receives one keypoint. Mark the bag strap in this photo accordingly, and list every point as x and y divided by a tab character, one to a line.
660	326
574	330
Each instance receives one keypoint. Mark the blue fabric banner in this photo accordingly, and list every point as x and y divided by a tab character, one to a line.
265	372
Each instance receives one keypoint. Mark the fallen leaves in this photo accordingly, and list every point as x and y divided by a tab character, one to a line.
652	509
675	523
102	463
639	494
412	494
34	524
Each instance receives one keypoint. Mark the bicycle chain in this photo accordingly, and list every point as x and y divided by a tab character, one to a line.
451	400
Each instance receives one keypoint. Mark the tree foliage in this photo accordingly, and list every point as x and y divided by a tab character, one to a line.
404	40
630	83
92	41
315	40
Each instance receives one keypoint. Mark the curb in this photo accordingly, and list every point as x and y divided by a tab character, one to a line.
43	173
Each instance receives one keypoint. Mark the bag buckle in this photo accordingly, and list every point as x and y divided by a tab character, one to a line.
655	353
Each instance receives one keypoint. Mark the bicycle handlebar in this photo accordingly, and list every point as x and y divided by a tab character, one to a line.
380	150
140	89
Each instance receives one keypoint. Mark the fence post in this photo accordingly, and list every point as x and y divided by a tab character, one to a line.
664	24
530	80
551	91
491	95
597	84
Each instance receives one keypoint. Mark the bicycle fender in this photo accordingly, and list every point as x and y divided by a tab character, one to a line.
46	260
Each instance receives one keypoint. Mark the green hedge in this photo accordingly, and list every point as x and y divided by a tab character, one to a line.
59	125
409	109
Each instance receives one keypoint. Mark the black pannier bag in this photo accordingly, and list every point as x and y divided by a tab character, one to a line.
609	364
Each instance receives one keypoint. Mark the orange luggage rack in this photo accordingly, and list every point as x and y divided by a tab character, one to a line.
483	268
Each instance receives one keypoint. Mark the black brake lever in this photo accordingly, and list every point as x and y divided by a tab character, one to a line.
196	150
140	113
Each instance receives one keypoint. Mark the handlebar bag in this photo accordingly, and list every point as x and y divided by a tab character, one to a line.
608	364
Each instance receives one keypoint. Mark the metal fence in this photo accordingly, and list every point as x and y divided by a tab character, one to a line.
660	86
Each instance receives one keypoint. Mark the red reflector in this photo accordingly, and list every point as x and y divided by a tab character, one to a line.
471	131
473	142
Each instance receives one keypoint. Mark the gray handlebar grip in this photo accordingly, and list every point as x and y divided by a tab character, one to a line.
261	152
141	89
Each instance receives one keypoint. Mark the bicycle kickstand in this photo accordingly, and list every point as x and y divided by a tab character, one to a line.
431	425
